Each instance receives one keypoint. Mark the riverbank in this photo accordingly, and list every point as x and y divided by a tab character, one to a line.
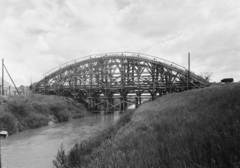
20	113
198	128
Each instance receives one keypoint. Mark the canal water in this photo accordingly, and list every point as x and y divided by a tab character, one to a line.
37	148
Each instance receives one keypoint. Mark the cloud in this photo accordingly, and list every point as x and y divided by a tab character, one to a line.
37	35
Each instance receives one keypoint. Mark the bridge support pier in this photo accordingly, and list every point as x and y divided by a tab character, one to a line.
112	103
105	105
108	103
160	93
153	97
96	104
123	103
138	100
153	94
89	103
93	103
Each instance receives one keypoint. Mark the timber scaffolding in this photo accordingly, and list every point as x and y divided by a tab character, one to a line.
2	86
114	81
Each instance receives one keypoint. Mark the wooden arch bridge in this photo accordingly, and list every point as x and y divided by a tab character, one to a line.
113	81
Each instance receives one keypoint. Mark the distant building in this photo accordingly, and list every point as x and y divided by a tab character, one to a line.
9	89
227	80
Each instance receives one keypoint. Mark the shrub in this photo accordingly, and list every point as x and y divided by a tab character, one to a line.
42	108
61	159
81	154
8	122
61	113
78	115
18	106
36	120
20	113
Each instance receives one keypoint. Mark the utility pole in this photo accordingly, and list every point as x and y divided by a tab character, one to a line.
0	155
2	77
11	79
188	71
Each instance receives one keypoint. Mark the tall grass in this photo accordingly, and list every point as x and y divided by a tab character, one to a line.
81	154
198	128
20	113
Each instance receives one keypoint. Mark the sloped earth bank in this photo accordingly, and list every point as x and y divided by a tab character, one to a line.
197	128
20	113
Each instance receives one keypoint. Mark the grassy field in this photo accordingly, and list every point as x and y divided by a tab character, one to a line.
198	128
19	113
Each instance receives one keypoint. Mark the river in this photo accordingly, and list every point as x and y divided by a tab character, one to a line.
36	148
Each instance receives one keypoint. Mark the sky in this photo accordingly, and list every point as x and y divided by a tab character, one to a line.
38	35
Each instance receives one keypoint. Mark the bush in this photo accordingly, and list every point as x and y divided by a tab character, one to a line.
81	154
8	122
42	108
63	115
61	159
36	120
78	115
20	113
60	113
18	106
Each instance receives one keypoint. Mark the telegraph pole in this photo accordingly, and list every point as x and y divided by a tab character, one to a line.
2	77
0	155
188	84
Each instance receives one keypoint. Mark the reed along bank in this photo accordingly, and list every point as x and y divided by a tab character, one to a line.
18	113
197	128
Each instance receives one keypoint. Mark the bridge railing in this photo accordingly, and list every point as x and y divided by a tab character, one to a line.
127	54
141	56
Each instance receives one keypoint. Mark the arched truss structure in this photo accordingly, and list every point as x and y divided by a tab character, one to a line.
112	81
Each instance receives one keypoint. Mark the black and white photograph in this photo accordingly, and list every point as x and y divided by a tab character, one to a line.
119	84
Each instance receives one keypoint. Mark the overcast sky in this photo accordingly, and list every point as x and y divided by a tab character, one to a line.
38	35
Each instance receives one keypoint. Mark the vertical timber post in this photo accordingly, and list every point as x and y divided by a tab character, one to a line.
136	102
160	93
188	84
0	155
45	84
138	77
121	103
2	76
153	80
107	104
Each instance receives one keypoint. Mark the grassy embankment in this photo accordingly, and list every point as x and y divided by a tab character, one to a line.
19	113
198	128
